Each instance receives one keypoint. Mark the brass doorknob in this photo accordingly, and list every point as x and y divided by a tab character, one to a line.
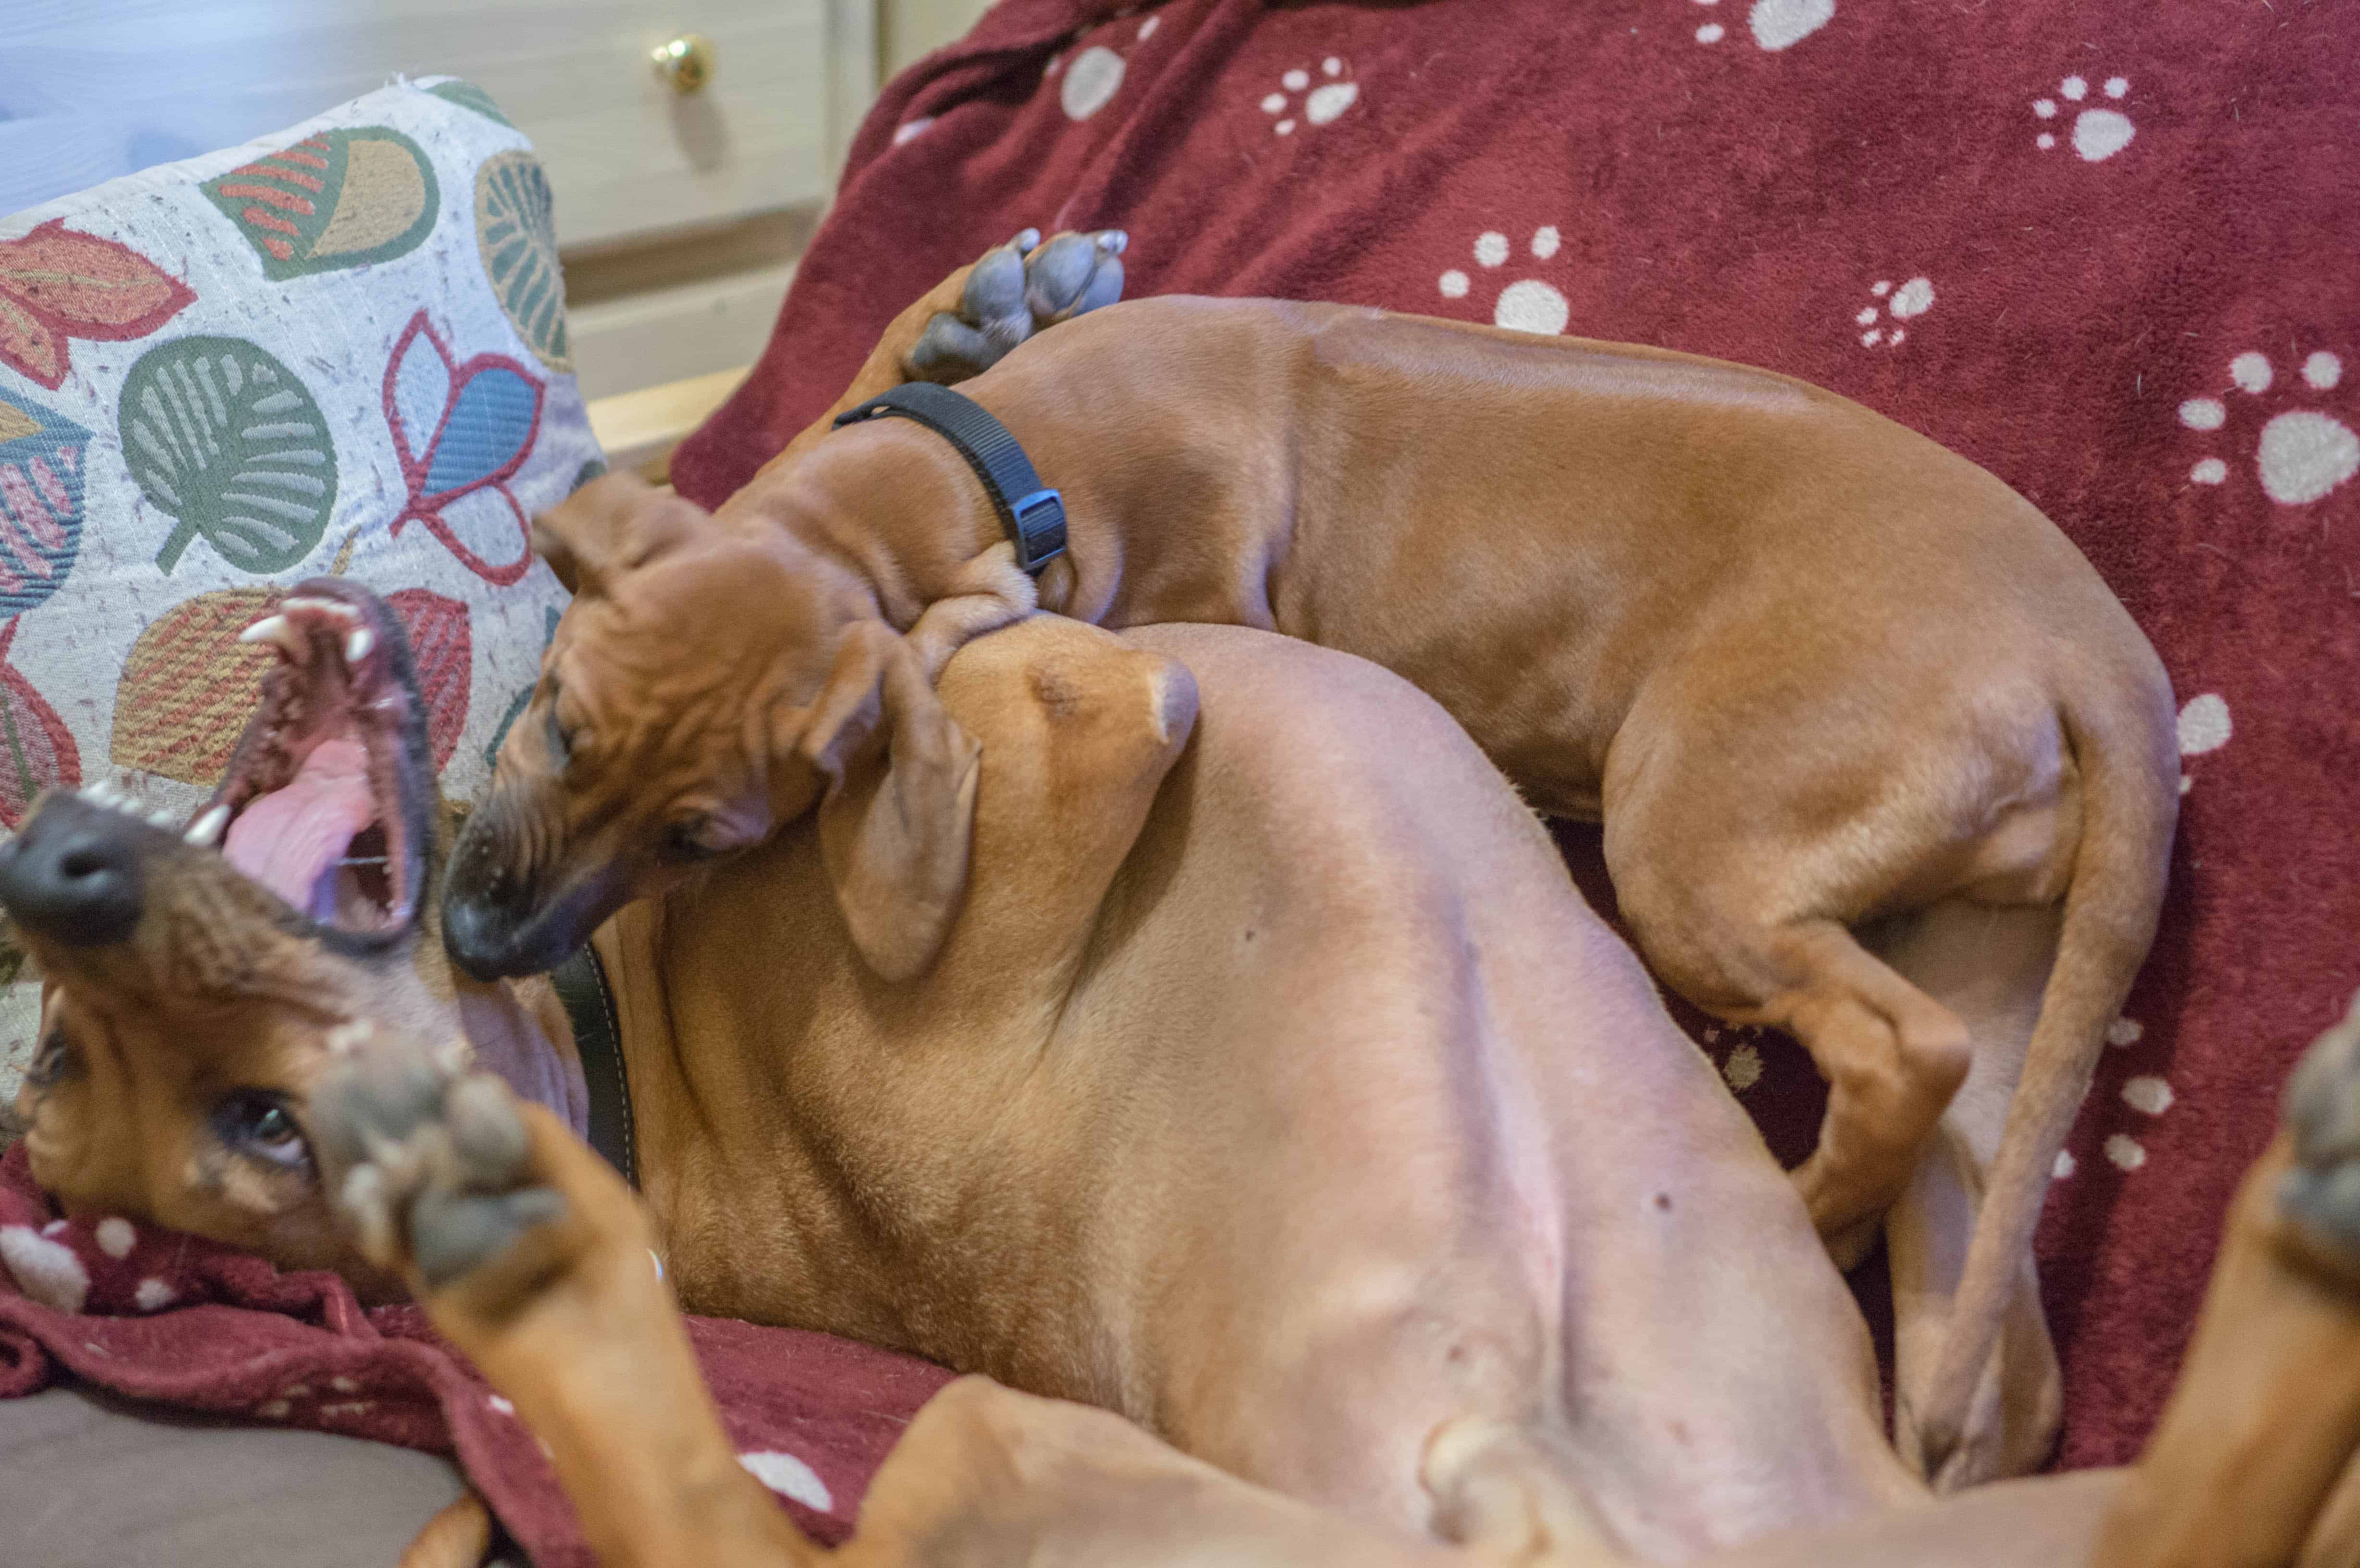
686	62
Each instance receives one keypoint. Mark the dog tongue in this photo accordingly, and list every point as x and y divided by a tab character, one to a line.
290	839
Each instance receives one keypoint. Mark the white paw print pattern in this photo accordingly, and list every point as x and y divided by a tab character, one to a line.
1320	106
1528	305
2099	132
2147	1094
2303	454
787	1476
1904	303
2203	727
1774	24
1094	78
1743	1067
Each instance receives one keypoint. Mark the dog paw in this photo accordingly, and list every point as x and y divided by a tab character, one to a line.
2320	1196
1017	290
426	1161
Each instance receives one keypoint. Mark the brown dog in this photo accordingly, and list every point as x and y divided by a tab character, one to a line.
1813	671
1291	1105
2254	1465
201	1067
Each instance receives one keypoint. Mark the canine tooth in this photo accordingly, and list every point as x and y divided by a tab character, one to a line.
345	613
275	629
356	647
206	830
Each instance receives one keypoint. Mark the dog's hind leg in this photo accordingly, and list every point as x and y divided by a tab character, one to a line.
1722	931
2245	1466
532	1257
1989	964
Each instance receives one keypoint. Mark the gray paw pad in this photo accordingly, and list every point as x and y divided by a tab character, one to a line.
1072	274
2322	1111
452	1233
1014	292
428	1156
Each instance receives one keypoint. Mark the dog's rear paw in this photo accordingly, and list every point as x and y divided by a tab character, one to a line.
2320	1196
1020	289
426	1161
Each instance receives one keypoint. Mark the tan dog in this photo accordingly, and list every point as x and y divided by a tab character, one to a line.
1814	671
2254	1463
184	996
1291	1105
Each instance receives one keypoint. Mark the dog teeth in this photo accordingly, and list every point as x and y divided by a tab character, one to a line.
329	607
206	831
161	817
277	631
357	645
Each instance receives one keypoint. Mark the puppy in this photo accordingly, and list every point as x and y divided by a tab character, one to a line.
1814	672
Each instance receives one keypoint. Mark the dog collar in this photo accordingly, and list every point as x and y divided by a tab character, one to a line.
581	983
1033	515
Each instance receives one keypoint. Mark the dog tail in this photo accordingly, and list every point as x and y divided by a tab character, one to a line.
2124	746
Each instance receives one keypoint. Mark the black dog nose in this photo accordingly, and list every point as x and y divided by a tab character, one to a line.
73	875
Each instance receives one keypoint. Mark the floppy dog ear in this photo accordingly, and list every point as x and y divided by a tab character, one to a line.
900	801
613	523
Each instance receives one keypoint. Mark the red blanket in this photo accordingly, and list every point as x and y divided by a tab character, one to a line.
2104	248
158	1315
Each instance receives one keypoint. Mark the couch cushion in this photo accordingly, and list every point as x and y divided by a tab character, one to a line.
340	349
99	1482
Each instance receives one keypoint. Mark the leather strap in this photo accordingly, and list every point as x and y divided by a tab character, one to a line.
1032	515
581	983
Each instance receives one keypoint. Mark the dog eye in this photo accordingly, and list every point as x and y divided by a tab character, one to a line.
561	744
52	1058
684	840
257	1123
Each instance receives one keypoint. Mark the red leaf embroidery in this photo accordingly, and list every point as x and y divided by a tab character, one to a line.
36	750
441	652
55	285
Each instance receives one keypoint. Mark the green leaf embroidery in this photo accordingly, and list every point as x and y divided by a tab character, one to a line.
224	439
517	237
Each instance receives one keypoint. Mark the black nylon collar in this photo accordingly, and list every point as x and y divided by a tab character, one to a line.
1033	515
581	983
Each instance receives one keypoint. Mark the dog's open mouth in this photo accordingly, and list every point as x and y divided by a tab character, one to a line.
324	800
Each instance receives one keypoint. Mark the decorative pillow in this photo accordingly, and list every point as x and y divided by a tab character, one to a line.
339	350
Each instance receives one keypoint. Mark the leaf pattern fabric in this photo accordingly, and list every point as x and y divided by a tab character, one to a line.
57	285
194	364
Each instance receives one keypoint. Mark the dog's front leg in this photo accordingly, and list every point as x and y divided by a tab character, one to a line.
968	322
2266	1420
532	1257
